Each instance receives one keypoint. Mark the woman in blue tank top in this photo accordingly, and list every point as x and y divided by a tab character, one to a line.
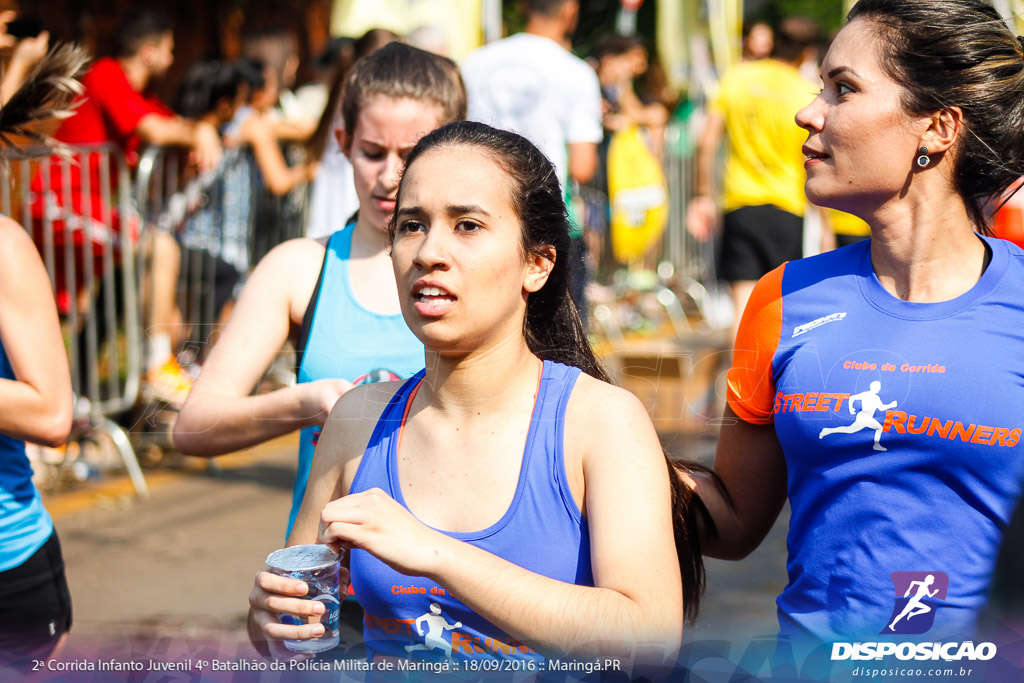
36	406
500	504
334	299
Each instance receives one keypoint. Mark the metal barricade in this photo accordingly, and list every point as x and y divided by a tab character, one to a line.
78	209
210	216
693	261
224	220
278	218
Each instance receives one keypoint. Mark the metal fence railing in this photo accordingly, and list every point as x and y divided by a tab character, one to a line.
78	210
225	221
93	223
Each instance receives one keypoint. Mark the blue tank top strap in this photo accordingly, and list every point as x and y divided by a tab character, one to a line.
562	379
340	246
347	341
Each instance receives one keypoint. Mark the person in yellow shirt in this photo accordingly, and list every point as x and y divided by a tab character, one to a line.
763	182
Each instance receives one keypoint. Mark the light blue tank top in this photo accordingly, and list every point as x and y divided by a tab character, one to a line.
542	531
347	341
24	522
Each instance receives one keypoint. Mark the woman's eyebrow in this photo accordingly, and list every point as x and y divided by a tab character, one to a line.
451	210
839	70
466	208
410	210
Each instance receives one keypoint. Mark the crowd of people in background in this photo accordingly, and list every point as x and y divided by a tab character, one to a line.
543	117
253	103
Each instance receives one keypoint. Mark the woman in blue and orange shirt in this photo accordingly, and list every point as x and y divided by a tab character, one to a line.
881	386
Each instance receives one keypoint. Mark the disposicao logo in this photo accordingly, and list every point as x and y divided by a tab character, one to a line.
917	598
917	595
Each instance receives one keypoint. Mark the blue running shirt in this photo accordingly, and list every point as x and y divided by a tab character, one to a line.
24	522
901	426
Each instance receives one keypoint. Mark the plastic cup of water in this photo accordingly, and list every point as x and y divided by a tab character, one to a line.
318	566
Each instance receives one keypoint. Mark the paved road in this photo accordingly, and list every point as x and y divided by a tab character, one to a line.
179	566
170	577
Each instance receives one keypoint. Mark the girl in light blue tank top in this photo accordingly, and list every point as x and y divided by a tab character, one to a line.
346	340
325	299
506	503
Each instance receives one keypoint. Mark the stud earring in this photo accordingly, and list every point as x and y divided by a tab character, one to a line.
923	160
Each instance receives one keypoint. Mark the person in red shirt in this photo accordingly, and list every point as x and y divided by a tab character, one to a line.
116	107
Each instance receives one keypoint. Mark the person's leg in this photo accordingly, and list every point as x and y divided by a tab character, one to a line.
767	237
741	291
741	260
165	378
166	264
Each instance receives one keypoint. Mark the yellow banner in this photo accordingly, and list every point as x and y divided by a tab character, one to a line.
677	23
459	20
725	23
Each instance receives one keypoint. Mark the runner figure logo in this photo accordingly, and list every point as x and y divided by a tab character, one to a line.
869	403
917	597
433	638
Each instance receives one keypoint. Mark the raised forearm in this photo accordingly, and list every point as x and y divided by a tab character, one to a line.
707	154
211	425
549	615
157	129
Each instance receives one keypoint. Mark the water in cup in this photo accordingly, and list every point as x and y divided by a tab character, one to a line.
318	566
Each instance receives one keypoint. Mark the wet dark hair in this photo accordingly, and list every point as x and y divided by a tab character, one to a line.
398	71
205	84
553	328
137	27
959	53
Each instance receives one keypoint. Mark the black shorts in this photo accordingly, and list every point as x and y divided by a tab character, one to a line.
35	606
758	239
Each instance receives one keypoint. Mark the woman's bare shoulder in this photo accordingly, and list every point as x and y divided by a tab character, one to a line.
596	402
355	415
348	429
602	417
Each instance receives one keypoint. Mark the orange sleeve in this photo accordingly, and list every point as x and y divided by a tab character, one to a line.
751	388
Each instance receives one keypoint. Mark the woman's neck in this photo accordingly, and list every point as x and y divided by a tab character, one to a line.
368	240
926	251
482	381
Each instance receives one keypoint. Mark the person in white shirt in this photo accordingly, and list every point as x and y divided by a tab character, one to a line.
529	83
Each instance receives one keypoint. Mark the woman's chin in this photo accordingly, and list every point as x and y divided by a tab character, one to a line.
816	196
826	199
